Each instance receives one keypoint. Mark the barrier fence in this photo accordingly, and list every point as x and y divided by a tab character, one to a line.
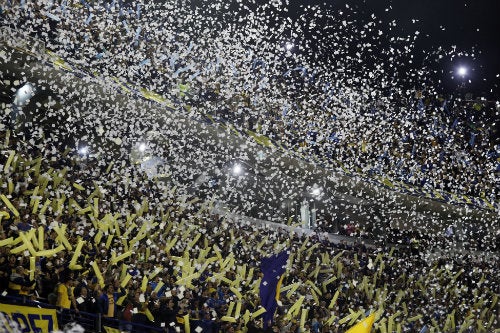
38	317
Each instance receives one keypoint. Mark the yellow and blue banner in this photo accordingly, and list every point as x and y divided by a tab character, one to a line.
31	319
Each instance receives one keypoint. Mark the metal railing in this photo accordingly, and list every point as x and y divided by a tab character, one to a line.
91	322
96	323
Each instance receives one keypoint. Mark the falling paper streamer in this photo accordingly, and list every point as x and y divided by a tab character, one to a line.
44	207
109	240
78	187
6	242
32	268
154	273
230	309
303	318
257	313
62	237
144	284
98	274
77	252
246	316
295	308
237	310
9	205
51	252
27	243
122	257
229	319
36	203
6	167
334	299
126	280
3	215
236	292
10	187
159	285
187	326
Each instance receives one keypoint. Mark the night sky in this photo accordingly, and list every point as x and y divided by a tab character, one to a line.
471	26
441	27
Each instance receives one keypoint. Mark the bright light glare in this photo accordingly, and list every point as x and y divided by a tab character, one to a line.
316	191
289	46
237	169
25	90
24	93
142	147
462	71
83	150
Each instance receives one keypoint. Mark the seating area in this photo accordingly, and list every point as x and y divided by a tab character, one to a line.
417	136
89	233
161	262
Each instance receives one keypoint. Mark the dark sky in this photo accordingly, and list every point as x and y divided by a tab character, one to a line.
471	25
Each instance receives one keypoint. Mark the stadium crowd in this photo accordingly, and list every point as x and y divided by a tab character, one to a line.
106	235
105	238
419	137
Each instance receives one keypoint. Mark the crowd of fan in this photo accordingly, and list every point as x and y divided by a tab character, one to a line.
423	140
419	138
402	283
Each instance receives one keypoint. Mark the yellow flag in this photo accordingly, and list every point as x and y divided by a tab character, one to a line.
364	326
111	329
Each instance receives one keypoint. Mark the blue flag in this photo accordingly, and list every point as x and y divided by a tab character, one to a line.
273	268
472	139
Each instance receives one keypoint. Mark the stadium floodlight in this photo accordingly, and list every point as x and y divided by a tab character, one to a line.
237	169
24	94
83	150
462	71
316	191
142	147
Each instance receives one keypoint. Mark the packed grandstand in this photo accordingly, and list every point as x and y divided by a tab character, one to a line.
93	235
